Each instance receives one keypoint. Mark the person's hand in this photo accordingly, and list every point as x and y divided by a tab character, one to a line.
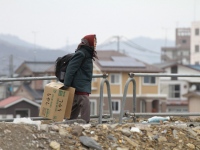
65	87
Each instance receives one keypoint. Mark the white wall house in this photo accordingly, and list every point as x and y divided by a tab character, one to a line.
195	43
176	88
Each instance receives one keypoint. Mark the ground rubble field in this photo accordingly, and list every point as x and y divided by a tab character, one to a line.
176	134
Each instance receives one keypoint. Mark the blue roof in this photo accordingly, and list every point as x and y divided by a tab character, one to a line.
197	67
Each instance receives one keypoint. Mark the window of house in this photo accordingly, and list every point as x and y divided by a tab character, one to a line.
94	79
174	69
149	80
116	106
142	106
177	110
93	107
183	41
196	48
197	31
174	91
115	78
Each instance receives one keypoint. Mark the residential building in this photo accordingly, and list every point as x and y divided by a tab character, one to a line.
118	66
16	106
181	52
33	90
177	87
193	102
195	43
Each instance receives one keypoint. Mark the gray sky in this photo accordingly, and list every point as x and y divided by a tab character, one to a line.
56	23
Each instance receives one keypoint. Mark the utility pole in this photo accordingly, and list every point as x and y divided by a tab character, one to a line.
11	72
34	34
165	35
118	42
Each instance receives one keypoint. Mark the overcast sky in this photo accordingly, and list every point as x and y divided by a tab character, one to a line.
56	23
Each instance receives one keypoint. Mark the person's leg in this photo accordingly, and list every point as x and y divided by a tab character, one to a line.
85	108
75	107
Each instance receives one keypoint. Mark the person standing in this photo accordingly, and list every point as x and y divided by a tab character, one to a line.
79	76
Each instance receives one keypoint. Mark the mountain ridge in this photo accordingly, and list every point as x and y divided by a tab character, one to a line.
142	48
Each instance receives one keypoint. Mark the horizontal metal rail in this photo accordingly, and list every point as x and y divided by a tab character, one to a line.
162	114
106	116
43	78
163	75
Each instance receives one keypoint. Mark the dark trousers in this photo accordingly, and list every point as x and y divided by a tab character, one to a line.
81	104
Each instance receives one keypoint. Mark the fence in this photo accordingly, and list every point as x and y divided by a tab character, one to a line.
105	81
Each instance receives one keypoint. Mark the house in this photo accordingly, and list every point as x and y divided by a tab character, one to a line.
16	106
177	87
181	51
193	102
118	65
26	91
35	69
187	46
33	90
195	43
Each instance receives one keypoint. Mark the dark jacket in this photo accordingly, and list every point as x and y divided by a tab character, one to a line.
79	70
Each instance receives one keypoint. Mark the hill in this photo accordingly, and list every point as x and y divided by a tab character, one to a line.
142	48
21	51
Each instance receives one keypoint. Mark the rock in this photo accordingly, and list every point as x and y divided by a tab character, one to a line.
135	129
55	145
120	148
131	142
111	137
44	127
192	132
7	131
175	134
54	128
126	132
77	130
162	139
190	146
113	126
63	131
89	142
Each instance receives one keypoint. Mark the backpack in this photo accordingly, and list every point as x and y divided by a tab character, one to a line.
61	64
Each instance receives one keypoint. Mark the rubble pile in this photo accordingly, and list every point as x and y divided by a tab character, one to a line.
175	134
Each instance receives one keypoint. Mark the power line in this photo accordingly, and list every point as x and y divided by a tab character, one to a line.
138	47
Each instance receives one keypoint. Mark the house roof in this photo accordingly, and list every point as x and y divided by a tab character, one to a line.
14	100
164	65
38	67
173	63
196	67
111	61
37	94
192	94
177	102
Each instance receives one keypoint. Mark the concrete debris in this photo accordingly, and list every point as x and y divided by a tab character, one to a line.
177	134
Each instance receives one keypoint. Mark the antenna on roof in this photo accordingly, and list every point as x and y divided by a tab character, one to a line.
118	42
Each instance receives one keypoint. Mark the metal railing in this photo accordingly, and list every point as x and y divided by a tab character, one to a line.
104	80
134	114
131	79
101	98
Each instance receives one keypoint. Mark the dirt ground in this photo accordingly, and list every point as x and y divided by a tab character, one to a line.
177	134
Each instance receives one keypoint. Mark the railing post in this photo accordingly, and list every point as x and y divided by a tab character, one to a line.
104	80
131	79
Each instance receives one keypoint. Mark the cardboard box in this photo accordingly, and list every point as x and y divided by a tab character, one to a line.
55	104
